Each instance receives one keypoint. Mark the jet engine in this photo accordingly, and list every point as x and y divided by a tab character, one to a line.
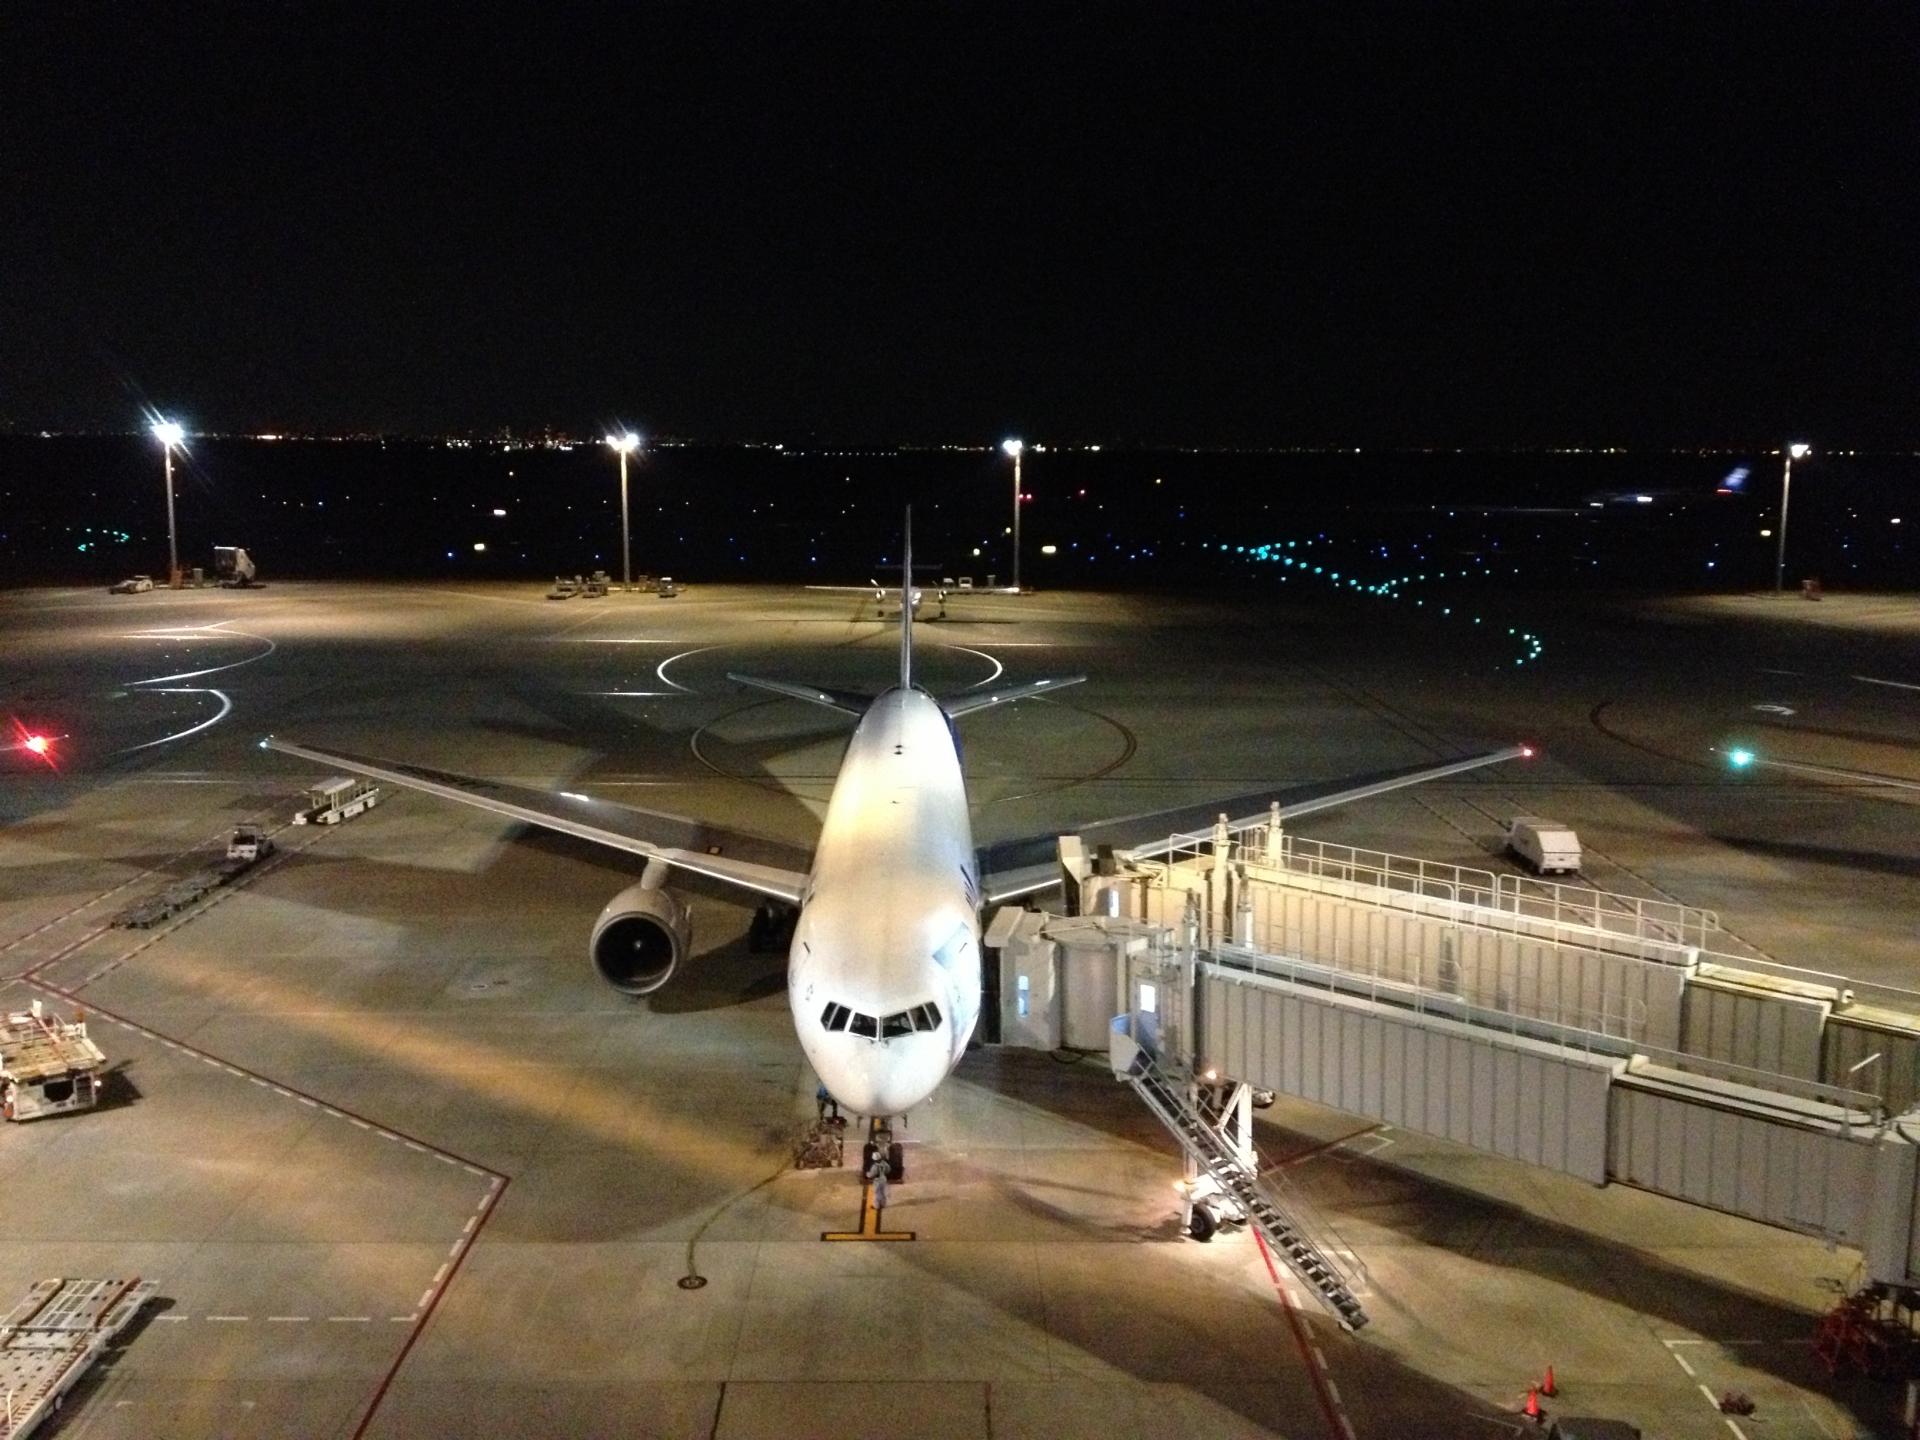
640	938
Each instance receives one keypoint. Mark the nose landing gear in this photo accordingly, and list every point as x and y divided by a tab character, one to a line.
880	1142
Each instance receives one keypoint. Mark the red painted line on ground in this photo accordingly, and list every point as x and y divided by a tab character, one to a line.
187	1045
426	1312
1327	1407
470	1237
61	954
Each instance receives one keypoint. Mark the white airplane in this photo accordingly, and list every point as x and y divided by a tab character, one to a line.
884	970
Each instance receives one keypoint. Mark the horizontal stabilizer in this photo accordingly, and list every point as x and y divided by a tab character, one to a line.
845	700
967	704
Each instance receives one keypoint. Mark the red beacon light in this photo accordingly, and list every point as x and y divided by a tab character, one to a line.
1526	752
38	744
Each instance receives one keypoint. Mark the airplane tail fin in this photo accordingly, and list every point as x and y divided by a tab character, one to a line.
906	606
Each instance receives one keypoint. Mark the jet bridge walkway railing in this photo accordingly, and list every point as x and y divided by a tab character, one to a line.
1288	1233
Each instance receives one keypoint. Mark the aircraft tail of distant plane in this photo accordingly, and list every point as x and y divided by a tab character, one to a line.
906	604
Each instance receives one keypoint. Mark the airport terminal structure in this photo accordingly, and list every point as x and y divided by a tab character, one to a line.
1322	1115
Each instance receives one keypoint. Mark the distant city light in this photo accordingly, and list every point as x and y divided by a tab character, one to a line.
626	444
168	433
1799	451
1643	499
497	514
1012	447
1049	549
1766	534
479	544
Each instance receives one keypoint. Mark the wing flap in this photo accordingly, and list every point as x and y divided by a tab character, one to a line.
764	866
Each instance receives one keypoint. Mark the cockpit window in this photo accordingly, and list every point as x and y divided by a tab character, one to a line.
901	1024
835	1016
863	1025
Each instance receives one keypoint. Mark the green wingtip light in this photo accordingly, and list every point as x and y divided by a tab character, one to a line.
1740	759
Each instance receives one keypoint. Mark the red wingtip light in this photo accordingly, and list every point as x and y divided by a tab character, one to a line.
1526	752
38	744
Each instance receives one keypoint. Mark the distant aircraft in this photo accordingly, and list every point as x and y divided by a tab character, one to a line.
884	969
917	596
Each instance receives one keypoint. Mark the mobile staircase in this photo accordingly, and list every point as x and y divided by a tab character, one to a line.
1289	1235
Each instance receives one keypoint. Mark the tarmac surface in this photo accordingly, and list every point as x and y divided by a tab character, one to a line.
401	1165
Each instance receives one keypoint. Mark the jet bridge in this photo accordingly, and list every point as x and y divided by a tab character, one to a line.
1600	1035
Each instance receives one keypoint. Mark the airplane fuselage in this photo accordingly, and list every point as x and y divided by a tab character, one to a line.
884	972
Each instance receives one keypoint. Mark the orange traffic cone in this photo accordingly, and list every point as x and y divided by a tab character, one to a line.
1547	1387
1532	1412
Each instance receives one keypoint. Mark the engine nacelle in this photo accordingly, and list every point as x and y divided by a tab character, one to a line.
640	939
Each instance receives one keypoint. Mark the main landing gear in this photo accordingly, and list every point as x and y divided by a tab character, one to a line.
771	929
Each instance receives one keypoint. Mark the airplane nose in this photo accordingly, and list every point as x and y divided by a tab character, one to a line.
883	1080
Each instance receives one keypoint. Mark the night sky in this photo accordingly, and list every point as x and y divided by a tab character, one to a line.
1350	224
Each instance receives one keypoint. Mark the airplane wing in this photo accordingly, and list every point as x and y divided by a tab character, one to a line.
967	704
766	867
1019	867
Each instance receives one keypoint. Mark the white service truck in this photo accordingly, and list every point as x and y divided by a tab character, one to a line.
332	801
1548	846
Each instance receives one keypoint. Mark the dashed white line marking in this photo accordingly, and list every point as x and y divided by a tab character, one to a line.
386	1135
171	1045
328	1109
310	1104
282	1090
258	1081
1333	1391
361	1123
439	1275
1319	1357
411	1146
1735	1428
235	1319
1681	1361
1712	1399
494	1183
453	1250
404	1319
170	1317
472	1220
471	1171
350	1319
288	1319
1346	1428
446	1159
425	1296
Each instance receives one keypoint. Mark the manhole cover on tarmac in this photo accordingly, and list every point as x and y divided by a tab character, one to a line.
691	1282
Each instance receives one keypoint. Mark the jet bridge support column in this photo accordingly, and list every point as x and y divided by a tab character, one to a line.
1220	920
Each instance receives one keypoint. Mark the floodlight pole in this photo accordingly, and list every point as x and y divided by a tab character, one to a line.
173	542
626	538
1016	522
1014	448
1792	453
